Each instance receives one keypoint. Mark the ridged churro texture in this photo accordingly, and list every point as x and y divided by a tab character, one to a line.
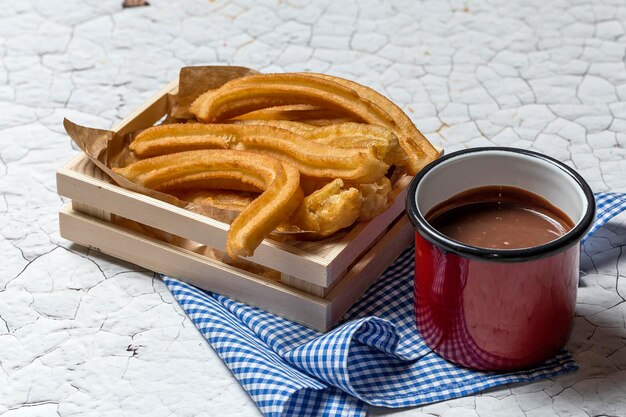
347	98
280	197
312	158
345	135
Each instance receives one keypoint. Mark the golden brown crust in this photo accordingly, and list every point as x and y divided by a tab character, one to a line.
381	140
328	210
420	150
311	158
280	198
256	92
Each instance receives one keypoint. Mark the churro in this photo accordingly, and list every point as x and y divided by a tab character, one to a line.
328	210
280	197
324	212
247	94
381	140
313	159
417	147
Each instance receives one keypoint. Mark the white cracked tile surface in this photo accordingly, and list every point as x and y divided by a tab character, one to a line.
83	334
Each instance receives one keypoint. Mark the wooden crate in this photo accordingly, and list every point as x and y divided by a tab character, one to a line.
318	281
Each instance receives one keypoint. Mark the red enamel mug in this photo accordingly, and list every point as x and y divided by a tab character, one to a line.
497	309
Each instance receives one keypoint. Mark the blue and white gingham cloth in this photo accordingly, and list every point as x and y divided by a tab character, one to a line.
375	357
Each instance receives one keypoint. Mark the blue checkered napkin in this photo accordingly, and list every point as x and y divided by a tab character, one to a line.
608	205
375	357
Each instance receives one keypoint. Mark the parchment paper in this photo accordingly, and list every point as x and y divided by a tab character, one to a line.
107	149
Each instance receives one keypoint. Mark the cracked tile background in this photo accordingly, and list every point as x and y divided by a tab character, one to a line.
85	334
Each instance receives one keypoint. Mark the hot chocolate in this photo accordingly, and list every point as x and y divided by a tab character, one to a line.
499	217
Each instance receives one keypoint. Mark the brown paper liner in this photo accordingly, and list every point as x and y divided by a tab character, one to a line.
108	149
194	81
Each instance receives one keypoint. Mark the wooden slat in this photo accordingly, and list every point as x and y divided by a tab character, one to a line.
198	270
91	211
303	285
319	313
367	271
155	213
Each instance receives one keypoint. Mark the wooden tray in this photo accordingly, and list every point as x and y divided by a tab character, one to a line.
318	263
319	313
318	281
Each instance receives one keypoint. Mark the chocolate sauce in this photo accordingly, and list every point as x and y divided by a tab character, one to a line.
499	217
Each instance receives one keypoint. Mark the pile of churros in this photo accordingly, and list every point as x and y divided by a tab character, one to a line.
295	151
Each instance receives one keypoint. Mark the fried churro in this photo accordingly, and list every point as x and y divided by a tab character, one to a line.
280	198
247	94
381	140
256	92
324	212
418	148
313	159
328	210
